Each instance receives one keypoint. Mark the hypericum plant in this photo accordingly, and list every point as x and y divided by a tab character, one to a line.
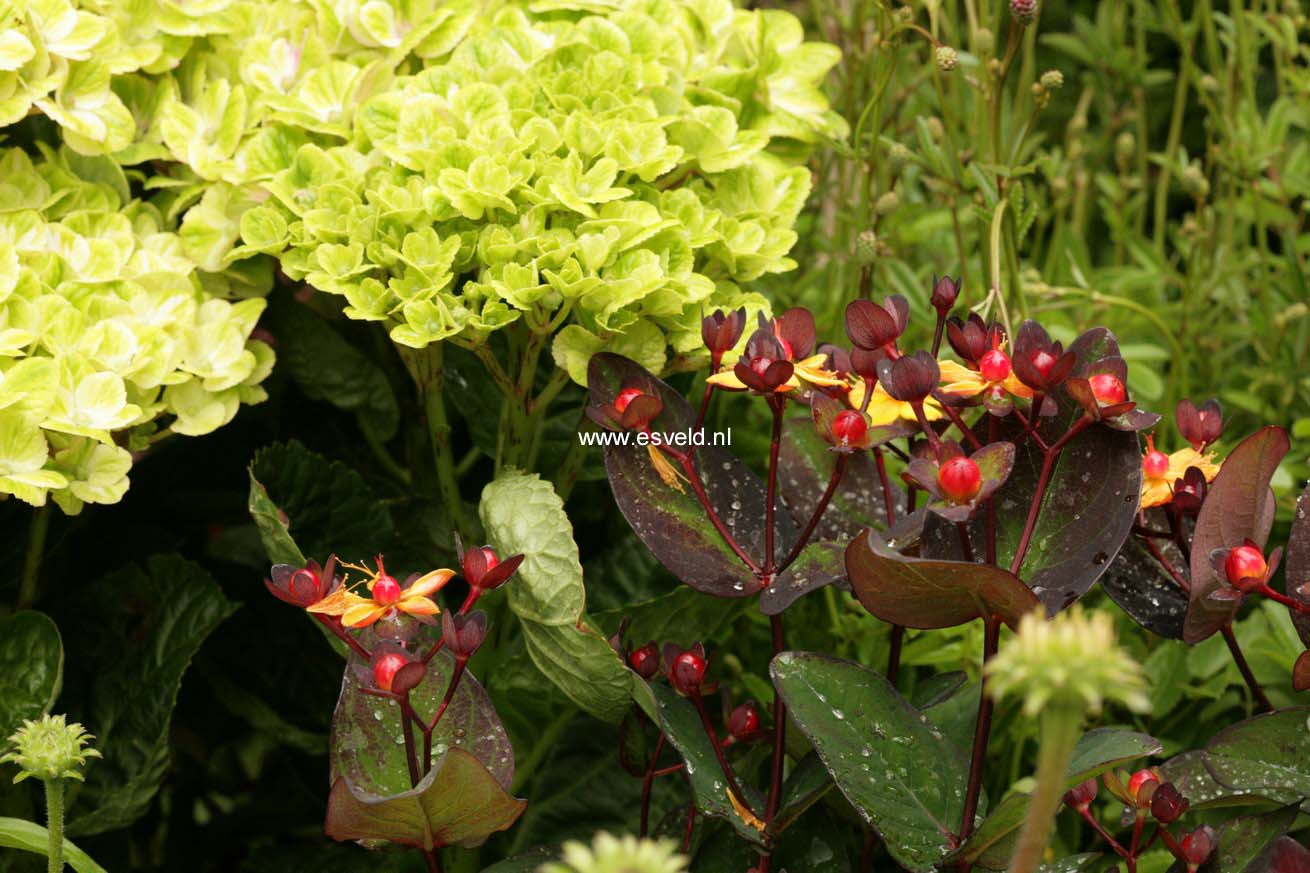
1024	477
111	337
419	755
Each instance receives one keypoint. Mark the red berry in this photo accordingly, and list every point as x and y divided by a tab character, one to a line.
626	396
994	366
1043	362
386	668
386	590
1197	847
686	672
1142	785
1107	389
1155	465
960	479
849	428
1082	794
744	721
646	660
1245	564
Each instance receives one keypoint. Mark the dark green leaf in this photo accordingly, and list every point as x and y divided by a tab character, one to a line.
458	803
928	594
328	506
31	837
956	713
1245	841
1265	755
1072	864
894	767
1238	506
683	616
31	668
806	462
819	564
681	724
806	784
152	621
672	523
329	368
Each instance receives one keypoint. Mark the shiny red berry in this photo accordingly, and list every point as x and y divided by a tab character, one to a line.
386	668
386	590
1044	362
1245	564
1107	389
960	479
1142	785
626	396
849	428
744	721
645	660
1155	465
994	365
686	672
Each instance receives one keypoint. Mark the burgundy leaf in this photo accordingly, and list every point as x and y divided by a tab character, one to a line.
1297	564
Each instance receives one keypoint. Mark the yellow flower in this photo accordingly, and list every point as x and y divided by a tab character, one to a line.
960	381
357	611
885	409
1159	490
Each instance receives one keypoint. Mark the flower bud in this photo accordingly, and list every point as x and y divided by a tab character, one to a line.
685	668
386	590
984	40
1197	847
873	326
1141	787
1039	362
744	721
645	661
302	586
866	247
721	332
464	634
1167	805
947	58
1194	182
1052	80
959	479
482	567
1201	426
385	667
945	291
887	203
1082	794
910	378
1024	11
49	748
1244	565
1108	389
1155	464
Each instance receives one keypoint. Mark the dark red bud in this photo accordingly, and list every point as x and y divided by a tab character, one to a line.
686	673
910	378
1142	785
849	428
744	721
1197	847
464	634
994	365
1167	805
1082	794
945	291
1155	464
645	660
1245	565
1201	426
626	396
385	668
1107	389
721	331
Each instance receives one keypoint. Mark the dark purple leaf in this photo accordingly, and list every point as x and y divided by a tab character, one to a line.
805	467
1143	589
927	594
1296	564
819	564
1088	510
673	524
1239	506
1286	856
458	803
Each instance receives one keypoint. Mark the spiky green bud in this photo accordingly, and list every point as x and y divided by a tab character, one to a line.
49	748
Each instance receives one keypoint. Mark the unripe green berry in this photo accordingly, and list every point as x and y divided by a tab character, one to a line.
1195	182
866	247
887	203
947	58
984	40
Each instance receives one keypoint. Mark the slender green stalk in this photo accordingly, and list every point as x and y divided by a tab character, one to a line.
36	537
54	807
427	366
1061	726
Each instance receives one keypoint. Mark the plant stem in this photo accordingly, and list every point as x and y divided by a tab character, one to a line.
646	783
411	752
888	501
1051	455
770	497
1104	834
1245	669
427	366
689	468
833	481
1277	597
897	642
718	754
1061	727
779	743
54	810
981	731
36	537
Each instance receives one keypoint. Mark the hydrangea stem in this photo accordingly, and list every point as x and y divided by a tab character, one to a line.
427	366
36	537
54	807
1061	726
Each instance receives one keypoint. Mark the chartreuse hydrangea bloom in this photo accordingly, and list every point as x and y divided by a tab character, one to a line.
108	338
627	854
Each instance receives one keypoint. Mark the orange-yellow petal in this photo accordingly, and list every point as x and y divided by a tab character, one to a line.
363	614
743	813
812	370
336	603
1016	388
416	604
429	583
727	379
1181	460
960	381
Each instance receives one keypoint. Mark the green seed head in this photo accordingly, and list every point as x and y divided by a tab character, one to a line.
49	748
947	58
627	854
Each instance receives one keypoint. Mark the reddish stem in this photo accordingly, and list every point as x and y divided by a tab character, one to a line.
981	731
689	468
888	501
1278	597
779	746
333	623
1245	669
1049	458
704	405
718	753
958	421
834	480
647	782
1105	835
1164	562
691	824
411	752
966	546
441	710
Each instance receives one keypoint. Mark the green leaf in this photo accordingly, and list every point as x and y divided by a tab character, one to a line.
681	724
153	620
15	833
930	594
895	768
328	506
31	668
458	803
1244	840
329	368
1265	755
1097	751
1072	864
522	514
806	785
